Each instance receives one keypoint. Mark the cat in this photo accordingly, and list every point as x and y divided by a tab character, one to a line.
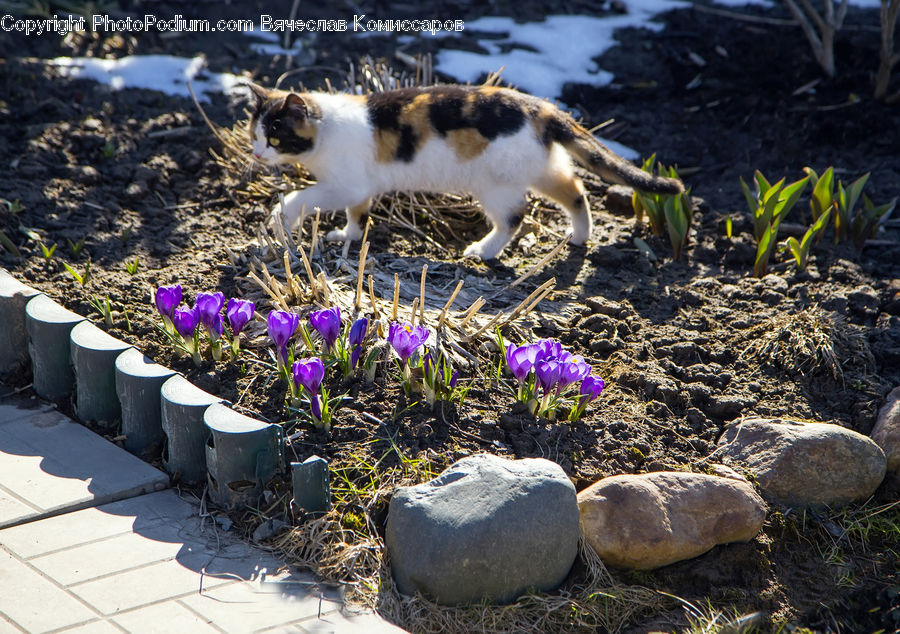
494	143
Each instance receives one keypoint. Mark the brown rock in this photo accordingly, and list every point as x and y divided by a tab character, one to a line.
804	464
653	519
887	430
618	199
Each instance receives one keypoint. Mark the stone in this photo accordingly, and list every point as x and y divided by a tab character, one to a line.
804	464
487	528
182	405
650	520
618	199
887	430
49	325
241	456
13	336
94	355
312	485
138	382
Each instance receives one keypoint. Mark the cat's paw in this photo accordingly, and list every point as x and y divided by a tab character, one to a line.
480	251
336	235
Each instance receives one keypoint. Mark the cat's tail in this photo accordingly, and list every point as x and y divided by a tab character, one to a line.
604	162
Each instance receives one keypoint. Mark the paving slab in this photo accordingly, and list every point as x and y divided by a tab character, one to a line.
71	560
154	563
52	465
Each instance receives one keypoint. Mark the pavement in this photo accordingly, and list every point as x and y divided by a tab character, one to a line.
92	539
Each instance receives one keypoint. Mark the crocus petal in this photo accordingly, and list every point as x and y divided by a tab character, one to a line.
239	313
405	339
591	386
167	298
308	373
185	321
209	305
354	357
547	373
327	323
358	332
281	325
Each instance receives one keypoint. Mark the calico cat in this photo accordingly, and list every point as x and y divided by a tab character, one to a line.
494	143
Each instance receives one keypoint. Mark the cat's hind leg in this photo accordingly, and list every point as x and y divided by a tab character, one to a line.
560	184
356	219
325	196
505	210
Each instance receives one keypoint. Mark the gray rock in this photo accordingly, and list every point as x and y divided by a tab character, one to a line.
805	464
486	528
887	430
649	520
618	199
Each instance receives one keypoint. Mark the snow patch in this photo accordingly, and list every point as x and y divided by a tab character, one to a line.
164	73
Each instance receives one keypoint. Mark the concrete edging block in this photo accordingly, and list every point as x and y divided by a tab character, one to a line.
138	383
94	354
182	405
48	325
13	336
312	485
242	455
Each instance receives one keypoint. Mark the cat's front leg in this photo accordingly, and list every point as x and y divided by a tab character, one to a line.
357	216
297	203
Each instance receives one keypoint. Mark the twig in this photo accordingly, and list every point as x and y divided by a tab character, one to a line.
396	297
450	301
375	313
357	302
203	114
422	295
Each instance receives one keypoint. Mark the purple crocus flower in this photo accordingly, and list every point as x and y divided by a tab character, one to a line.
572	369
454	378
405	339
239	313
547	373
186	321
358	332
591	386
327	323
520	360
281	325
309	373
209	305
548	349
167	298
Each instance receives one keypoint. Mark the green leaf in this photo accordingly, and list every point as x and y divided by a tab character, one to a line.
813	177
752	201
762	184
75	274
729	226
814	231
797	251
678	224
8	245
823	194
789	195
854	191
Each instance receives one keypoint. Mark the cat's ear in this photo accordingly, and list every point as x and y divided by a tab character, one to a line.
295	106
258	94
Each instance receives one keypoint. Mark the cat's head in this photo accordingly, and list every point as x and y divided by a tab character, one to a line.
282	125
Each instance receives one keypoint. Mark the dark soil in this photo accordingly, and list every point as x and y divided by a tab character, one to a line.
130	174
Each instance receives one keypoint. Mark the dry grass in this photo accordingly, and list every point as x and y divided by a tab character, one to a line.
809	342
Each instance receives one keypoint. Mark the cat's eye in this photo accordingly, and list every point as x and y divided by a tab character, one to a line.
273	141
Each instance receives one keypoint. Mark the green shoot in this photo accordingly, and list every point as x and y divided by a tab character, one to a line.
769	205
729	227
865	224
822	198
13	206
125	236
104	308
800	250
666	213
81	278
75	248
48	252
8	245
132	267
109	149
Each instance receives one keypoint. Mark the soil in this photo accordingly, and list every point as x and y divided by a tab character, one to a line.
129	174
